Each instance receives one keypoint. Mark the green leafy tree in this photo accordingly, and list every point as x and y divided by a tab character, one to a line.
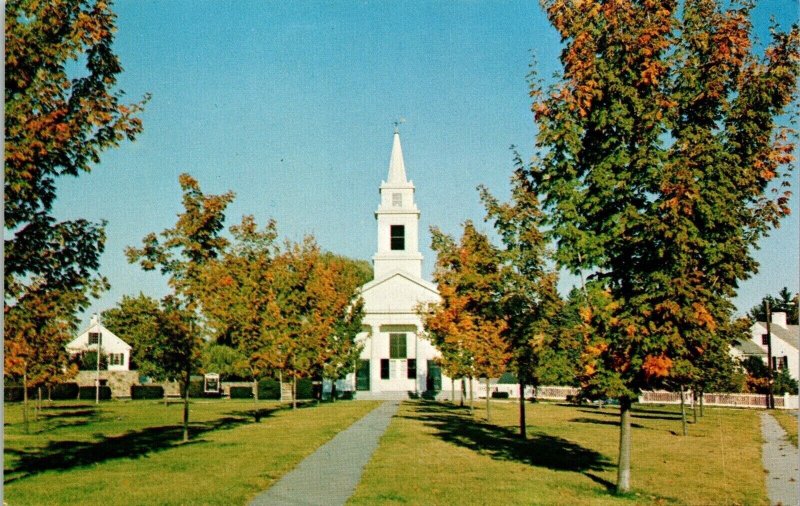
784	302
658	145
135	321
61	113
182	253
224	360
529	298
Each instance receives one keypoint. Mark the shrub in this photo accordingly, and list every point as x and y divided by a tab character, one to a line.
89	393
147	392
305	389
348	395
499	395
64	391
269	389
241	392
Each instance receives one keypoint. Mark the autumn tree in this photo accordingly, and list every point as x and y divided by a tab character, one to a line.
61	113
239	296
182	252
658	146
467	325
528	295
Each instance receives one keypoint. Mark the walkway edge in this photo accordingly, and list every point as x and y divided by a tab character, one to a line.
329	476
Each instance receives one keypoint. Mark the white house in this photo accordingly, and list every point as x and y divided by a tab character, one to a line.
118	351
396	361
785	340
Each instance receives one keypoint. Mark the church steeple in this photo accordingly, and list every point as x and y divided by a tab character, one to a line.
397	167
398	220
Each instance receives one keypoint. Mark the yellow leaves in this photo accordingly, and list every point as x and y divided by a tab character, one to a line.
586	314
657	366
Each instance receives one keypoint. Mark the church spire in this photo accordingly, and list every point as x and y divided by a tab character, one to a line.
397	167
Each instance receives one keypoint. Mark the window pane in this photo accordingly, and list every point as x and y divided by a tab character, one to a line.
397	346
398	237
412	368
385	368
765	339
94	337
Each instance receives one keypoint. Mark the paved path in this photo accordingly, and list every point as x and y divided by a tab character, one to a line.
780	459
330	475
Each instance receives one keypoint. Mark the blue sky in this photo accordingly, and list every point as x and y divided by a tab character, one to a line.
291	104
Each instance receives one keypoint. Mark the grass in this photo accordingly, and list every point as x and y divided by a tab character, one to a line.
131	452
437	454
788	420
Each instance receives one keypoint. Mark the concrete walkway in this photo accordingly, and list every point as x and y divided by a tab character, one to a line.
780	459
330	475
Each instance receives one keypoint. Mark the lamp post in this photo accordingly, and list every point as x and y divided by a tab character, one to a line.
99	344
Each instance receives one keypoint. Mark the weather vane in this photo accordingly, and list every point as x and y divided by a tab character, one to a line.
397	123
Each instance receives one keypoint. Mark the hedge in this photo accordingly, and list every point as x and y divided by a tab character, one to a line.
241	392
147	392
64	391
305	389
15	393
90	393
269	389
195	389
499	395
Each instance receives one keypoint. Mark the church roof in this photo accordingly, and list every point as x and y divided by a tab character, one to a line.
399	273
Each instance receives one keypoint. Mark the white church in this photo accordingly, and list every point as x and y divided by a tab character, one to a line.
396	360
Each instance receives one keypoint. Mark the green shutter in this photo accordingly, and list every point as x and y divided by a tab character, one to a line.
362	375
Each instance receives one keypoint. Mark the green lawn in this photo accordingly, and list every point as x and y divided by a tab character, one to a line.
788	420
437	454
131	452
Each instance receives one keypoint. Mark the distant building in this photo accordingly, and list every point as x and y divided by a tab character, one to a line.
117	350
395	359
785	340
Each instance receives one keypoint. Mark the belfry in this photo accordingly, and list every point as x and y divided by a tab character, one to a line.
396	360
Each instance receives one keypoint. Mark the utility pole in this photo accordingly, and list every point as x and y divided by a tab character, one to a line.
770	377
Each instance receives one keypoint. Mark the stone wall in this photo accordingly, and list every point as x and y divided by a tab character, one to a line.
119	381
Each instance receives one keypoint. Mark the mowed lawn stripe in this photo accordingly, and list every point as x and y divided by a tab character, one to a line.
228	461
437	454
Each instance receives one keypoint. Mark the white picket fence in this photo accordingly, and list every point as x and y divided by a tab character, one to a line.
560	393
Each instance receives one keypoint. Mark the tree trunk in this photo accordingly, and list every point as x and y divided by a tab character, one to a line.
624	466
255	389
471	398
25	400
683	412
294	392
694	406
488	396
280	387
333	390
452	390
38	402
701	403
523	432
463	391
186	405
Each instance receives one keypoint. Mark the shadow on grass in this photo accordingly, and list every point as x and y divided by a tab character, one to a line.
604	422
541	450
65	419
64	455
635	413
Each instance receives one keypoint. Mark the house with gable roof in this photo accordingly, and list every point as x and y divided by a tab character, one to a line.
785	344
97	336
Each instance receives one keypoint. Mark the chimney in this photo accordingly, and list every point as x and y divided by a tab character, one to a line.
779	319
94	319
